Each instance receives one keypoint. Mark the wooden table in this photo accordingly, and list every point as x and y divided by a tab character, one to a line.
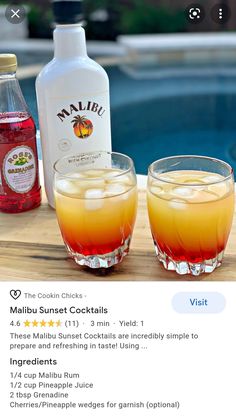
31	248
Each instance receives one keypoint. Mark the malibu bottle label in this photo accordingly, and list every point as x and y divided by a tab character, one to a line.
78	125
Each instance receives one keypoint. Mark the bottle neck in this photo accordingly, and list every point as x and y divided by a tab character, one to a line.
11	97
69	41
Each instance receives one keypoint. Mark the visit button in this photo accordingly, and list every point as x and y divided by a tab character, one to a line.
198	302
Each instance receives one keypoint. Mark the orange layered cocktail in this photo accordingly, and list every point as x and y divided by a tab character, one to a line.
96	208
190	212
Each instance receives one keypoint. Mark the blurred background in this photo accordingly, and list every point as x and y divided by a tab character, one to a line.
171	65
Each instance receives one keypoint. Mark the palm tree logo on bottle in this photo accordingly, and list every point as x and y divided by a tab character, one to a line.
83	127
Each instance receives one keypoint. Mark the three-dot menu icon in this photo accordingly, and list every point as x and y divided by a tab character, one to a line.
221	13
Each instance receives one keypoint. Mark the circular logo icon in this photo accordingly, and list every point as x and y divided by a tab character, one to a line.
15	13
221	13
195	13
83	127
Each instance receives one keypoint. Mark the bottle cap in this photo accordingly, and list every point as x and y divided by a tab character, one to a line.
68	12
8	63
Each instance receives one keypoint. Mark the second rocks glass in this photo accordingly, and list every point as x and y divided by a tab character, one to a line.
191	205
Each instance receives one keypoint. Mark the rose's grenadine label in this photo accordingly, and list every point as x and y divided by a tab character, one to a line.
19	169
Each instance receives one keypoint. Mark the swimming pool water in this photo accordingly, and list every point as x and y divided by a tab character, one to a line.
154	118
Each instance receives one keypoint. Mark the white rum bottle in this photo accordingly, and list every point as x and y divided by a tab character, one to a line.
72	95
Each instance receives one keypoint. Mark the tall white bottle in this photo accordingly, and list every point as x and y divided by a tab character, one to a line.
72	95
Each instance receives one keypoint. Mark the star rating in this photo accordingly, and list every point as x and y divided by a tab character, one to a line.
42	323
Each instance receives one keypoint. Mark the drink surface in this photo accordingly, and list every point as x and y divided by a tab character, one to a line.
19	180
191	214
96	209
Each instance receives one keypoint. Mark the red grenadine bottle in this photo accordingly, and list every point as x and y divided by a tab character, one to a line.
19	177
